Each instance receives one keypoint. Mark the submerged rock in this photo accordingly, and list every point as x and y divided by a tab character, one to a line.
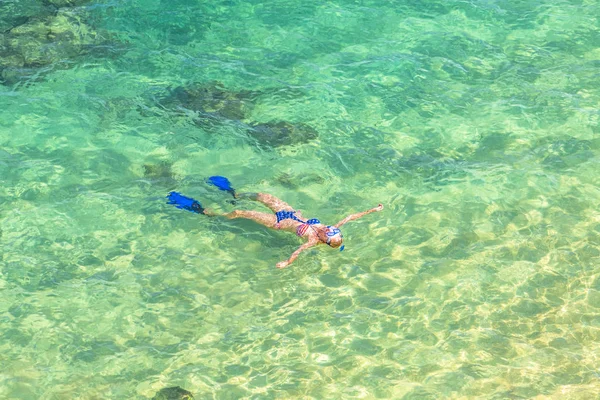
15	13
158	170
33	42
429	167
213	99
564	153
282	133
67	3
173	393
113	111
18	12
296	181
439	170
215	105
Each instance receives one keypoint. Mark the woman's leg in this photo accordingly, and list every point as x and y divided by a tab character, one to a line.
268	200
266	219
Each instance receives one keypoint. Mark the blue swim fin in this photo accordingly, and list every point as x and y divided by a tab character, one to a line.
185	203
222	183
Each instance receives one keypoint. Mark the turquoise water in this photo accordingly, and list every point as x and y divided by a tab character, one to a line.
476	124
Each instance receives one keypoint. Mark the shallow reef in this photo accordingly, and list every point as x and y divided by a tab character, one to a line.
36	37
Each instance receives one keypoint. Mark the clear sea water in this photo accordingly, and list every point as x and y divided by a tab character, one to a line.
476	124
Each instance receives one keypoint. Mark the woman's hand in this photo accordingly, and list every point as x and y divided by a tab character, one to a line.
282	264
379	207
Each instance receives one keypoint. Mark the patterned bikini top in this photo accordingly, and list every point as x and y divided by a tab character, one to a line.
301	230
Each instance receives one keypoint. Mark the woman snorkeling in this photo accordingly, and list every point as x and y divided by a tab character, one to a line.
284	217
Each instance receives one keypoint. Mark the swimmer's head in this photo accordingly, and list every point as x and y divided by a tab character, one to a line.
332	236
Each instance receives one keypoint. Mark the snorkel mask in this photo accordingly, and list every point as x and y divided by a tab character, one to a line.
331	232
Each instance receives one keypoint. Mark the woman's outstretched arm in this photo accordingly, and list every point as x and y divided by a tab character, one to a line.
352	217
295	254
